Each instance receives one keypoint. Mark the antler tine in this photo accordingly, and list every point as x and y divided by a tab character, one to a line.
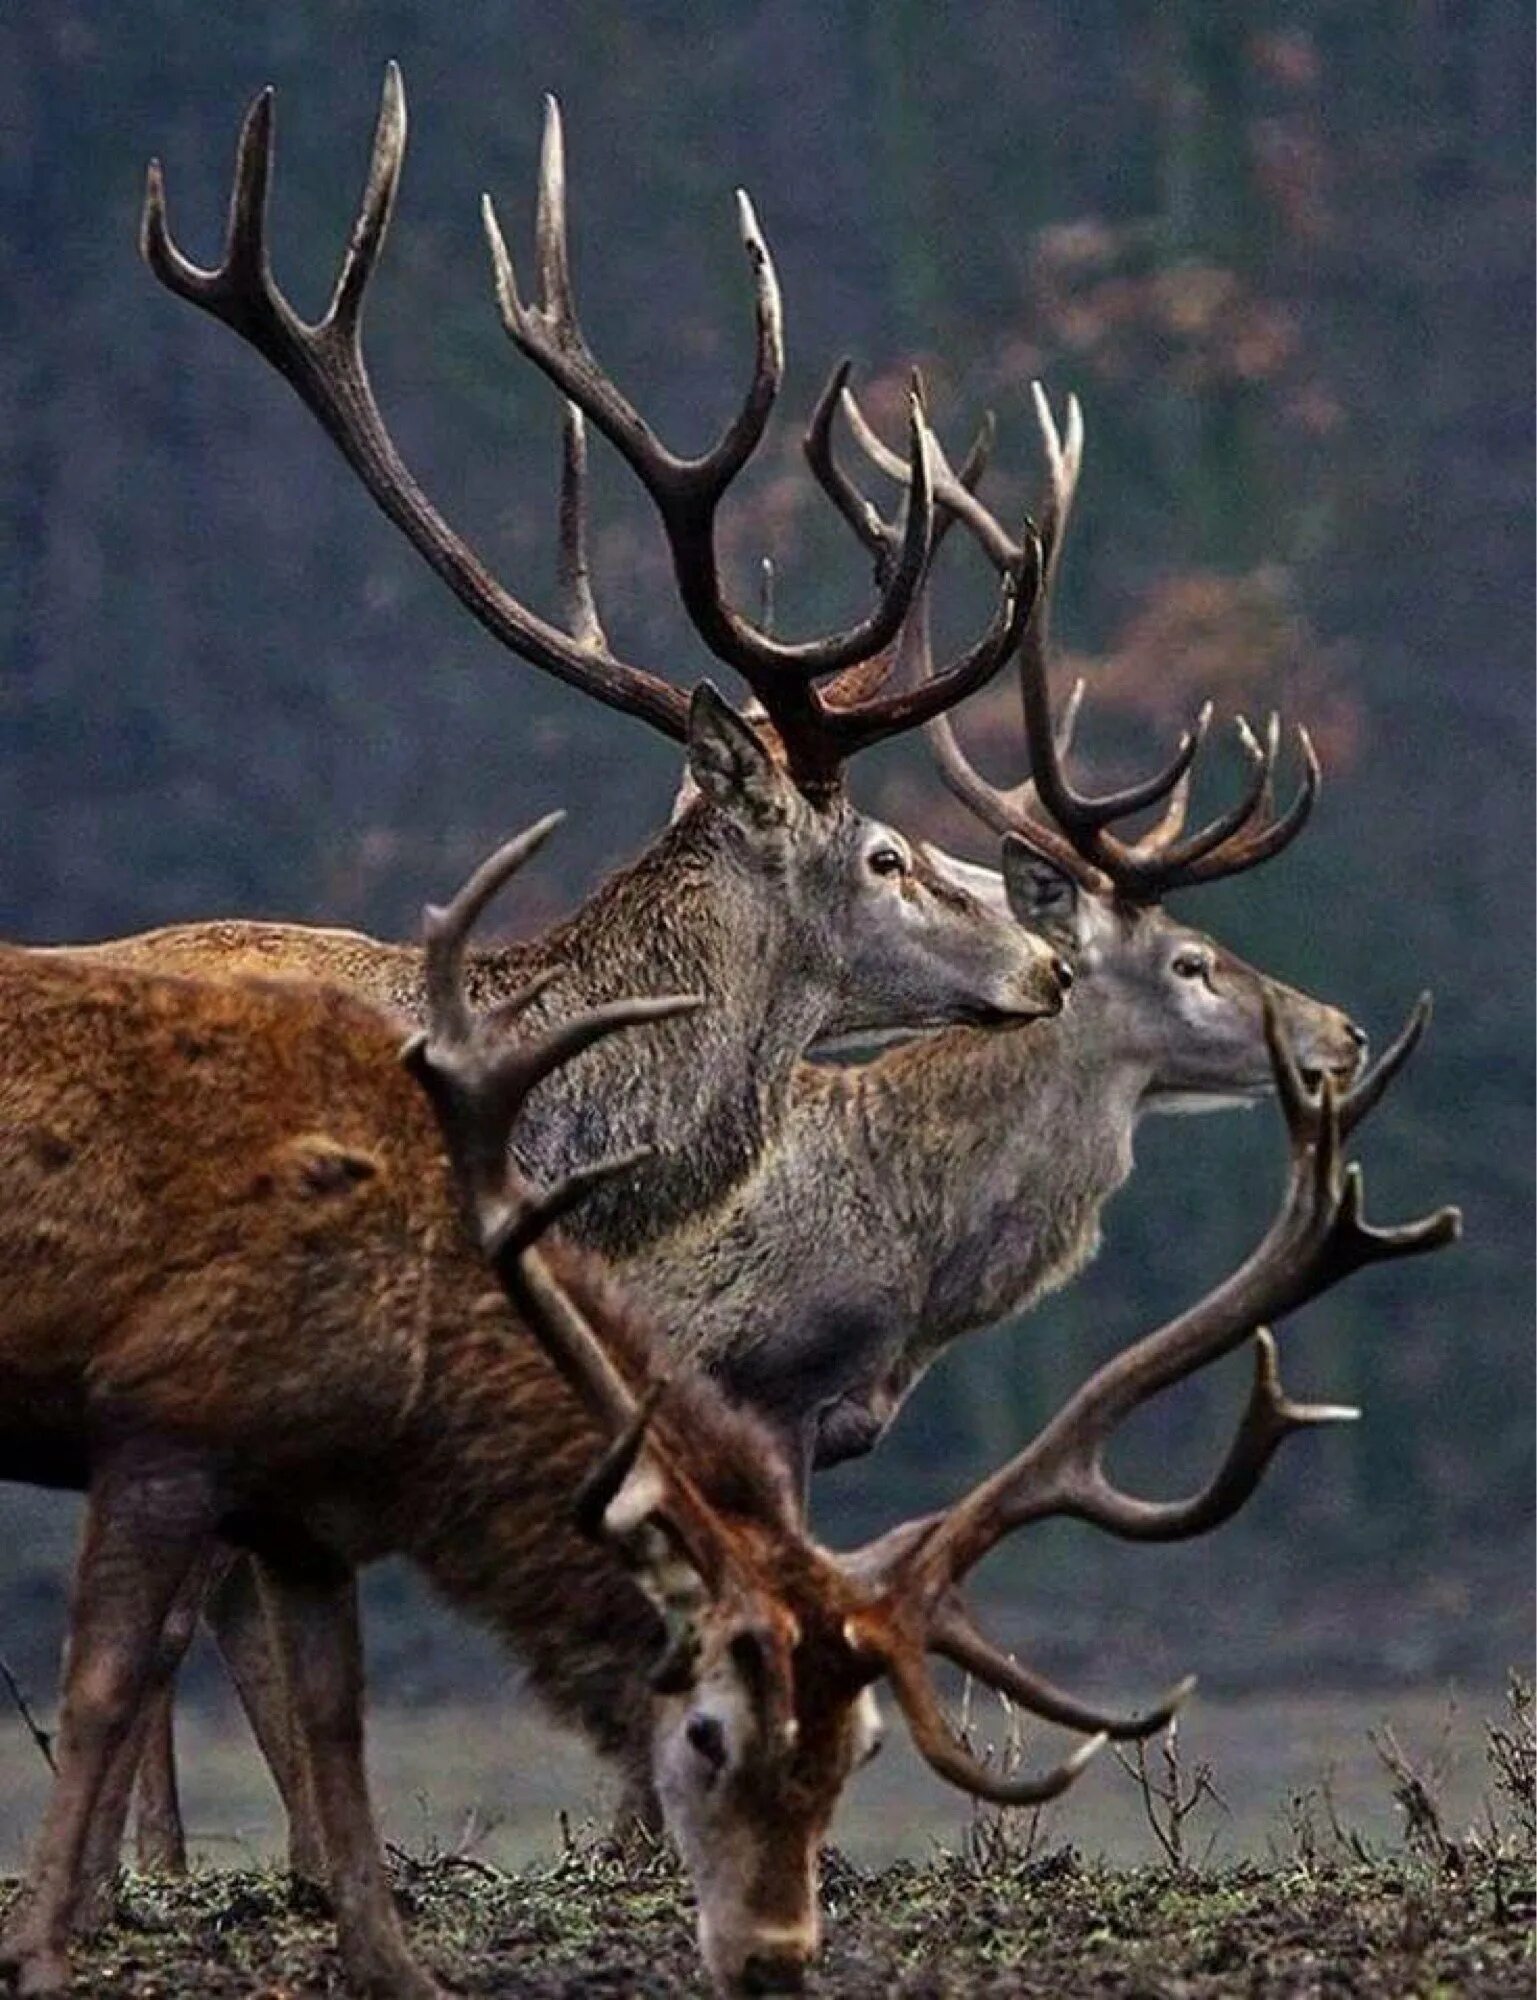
1170	854
1359	1101
853	729
937	1744
687	492
952	490
324	364
447	931
575	567
479	1076
877	535
541	1212
1083	818
954	1637
874	534
1317	1238
1258	842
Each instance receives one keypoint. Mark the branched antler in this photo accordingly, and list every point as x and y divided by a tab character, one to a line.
1318	1238
324	362
1047	808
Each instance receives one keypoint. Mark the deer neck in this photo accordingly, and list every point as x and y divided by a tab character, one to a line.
996	1151
496	1449
707	1091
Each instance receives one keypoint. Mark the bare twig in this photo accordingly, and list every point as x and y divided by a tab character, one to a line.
1169	1798
1416	1789
1511	1747
43	1738
997	1836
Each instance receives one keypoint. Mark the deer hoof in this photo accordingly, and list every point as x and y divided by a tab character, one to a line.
40	1974
94	1909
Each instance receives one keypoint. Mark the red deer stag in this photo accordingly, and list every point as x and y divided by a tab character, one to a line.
243	1302
961	1177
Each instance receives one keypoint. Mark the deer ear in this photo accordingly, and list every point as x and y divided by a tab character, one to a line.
1041	893
729	761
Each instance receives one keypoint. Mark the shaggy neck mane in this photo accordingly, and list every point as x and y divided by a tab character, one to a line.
501	1446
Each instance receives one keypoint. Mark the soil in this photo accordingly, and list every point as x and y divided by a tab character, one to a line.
1051	1925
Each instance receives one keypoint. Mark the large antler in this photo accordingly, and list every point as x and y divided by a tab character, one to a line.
1047	809
324	363
1319	1237
687	492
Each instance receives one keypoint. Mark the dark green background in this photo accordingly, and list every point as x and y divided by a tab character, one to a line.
1282	252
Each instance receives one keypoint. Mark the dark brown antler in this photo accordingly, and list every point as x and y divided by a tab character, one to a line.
478	1075
1073	826
324	363
1318	1238
818	735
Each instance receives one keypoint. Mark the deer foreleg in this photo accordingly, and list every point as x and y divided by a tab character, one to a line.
147	1529
317	1623
159	1839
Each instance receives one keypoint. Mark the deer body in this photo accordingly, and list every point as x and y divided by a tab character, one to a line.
292	1303
952	1183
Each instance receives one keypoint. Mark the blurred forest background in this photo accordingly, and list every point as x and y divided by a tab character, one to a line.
1282	252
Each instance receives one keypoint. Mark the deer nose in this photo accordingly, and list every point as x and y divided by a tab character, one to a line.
774	1972
1062	970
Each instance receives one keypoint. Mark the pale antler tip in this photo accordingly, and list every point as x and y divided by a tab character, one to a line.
1051	437
1085	1754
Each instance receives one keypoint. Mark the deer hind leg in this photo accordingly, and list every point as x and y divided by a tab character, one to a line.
317	1623
240	1614
147	1532
148	1755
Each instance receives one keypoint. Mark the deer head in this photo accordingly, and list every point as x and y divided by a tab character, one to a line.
911	944
761	1699
1178	1005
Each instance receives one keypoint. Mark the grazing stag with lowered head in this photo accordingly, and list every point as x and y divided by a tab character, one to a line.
956	1180
285	1338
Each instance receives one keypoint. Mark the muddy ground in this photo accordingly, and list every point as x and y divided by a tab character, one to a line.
1050	1925
1430	1899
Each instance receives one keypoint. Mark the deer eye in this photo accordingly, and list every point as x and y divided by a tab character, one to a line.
1190	965
886	861
707	1738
